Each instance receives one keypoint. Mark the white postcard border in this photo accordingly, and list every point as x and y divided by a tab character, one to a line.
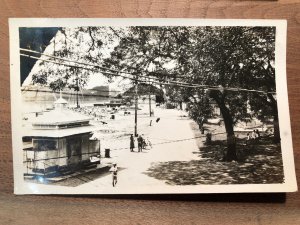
22	187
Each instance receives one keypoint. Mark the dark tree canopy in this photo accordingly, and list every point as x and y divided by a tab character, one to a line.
219	58
82	44
223	57
37	39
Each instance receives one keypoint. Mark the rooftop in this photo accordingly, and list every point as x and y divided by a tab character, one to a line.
54	119
58	133
60	101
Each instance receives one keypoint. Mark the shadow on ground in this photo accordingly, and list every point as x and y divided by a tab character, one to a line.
259	163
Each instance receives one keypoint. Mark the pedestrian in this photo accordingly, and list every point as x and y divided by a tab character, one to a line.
202	130
254	138
131	142
248	139
208	138
143	142
257	133
114	171
254	135
140	143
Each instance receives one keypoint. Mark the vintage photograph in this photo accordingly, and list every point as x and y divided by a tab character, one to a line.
150	106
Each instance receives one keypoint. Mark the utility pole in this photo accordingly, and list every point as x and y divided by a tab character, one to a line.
136	108
77	89
150	111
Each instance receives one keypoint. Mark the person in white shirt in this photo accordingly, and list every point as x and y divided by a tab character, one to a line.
114	171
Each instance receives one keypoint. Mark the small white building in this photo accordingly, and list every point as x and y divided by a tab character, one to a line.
57	141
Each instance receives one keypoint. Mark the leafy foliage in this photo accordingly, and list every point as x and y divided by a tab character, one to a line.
222	57
82	44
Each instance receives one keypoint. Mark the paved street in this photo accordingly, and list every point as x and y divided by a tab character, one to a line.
171	127
174	164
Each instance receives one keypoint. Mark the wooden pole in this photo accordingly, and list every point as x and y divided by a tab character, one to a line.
150	111
135	109
77	102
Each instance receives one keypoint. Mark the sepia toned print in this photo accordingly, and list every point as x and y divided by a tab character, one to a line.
141	107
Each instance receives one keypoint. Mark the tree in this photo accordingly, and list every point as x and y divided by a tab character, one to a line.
230	57
263	76
82	44
218	58
148	51
222	57
210	61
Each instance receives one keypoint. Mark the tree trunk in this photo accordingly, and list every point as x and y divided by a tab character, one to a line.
231	143
228	121
276	139
180	105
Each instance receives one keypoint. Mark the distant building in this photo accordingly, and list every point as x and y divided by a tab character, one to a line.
35	96
144	90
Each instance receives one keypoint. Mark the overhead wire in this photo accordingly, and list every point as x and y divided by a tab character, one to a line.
153	80
101	67
105	72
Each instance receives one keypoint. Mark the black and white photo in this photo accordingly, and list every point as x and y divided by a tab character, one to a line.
141	106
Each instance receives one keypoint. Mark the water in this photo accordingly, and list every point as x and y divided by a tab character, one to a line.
37	101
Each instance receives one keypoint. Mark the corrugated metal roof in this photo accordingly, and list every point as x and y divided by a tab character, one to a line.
59	117
58	133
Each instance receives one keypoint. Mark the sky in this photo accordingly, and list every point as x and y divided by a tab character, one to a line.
58	43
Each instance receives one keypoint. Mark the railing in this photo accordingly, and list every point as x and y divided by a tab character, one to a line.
93	150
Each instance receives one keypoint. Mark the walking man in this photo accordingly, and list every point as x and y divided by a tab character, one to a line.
140	143
143	142
131	143
248	139
114	171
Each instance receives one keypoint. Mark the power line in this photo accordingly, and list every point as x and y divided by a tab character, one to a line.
174	141
82	63
104	72
105	68
154	80
185	84
72	61
75	66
